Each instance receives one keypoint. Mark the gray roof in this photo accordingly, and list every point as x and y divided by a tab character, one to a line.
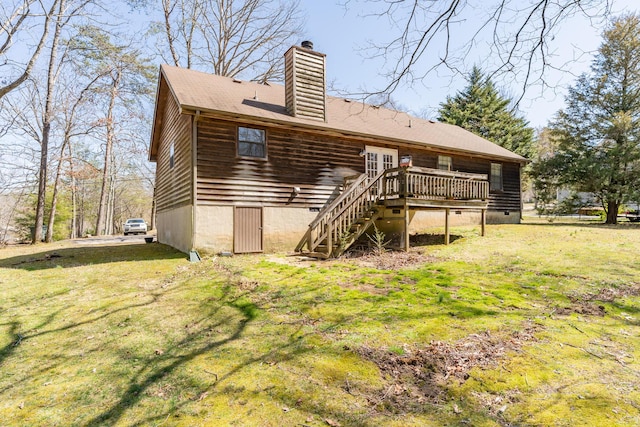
224	96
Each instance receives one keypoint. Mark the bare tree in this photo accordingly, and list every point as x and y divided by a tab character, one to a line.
125	84
72	127
230	37
22	18
64	12
434	35
47	118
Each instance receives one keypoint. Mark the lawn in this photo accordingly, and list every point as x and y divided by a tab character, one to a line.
533	325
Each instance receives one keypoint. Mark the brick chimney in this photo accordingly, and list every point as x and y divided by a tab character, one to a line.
305	82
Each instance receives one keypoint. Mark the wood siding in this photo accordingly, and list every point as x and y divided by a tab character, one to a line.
314	164
173	184
305	87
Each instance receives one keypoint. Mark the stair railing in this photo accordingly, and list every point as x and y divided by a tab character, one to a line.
334	220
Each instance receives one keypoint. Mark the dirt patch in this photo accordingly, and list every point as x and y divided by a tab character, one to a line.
585	304
367	287
610	294
582	307
421	375
390	260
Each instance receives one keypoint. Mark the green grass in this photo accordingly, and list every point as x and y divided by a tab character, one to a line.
532	325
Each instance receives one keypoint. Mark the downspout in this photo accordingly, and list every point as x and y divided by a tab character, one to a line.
194	178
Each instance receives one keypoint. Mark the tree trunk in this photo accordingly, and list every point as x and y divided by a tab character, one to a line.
54	202
102	208
54	198
47	118
42	184
612	212
153	210
74	208
81	210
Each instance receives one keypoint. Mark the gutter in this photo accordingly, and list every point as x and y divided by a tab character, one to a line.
226	115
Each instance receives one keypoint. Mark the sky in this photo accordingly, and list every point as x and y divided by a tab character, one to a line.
342	34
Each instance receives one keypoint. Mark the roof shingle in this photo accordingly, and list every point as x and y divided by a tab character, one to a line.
194	90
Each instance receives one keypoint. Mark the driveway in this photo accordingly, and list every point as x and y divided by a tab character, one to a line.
105	240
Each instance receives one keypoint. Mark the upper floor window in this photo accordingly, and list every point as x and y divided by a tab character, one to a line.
495	179
172	156
252	142
444	163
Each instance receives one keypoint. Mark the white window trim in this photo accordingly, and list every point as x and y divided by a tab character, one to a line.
382	151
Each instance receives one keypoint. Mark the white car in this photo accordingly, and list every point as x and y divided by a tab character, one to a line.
135	226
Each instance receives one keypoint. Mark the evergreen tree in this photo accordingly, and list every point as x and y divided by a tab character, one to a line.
480	109
598	132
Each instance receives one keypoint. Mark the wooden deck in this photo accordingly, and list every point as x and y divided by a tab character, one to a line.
363	199
435	188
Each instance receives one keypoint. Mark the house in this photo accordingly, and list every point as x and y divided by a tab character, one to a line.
250	167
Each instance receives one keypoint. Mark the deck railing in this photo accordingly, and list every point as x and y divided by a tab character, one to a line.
333	228
434	184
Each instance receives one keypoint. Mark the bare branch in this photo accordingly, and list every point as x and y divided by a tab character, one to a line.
435	35
231	38
14	23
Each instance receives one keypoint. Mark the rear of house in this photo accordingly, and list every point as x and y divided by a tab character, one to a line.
246	167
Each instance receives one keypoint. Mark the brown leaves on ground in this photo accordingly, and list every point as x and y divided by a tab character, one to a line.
582	307
612	293
332	423
584	304
391	260
420	375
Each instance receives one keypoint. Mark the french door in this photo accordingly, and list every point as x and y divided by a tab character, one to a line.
377	160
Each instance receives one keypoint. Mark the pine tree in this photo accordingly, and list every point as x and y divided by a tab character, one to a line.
480	109
598	133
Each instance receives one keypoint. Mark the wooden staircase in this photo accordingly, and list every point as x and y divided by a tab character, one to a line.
363	200
339	224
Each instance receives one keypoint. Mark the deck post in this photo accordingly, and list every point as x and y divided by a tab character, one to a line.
406	226
483	222
446	225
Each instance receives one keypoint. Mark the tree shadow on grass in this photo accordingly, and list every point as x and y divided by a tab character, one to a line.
90	255
238	305
18	335
246	307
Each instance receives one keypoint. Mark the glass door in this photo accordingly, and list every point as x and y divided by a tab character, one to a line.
379	159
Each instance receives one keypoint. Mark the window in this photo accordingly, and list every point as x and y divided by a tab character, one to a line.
388	161
495	180
379	159
372	164
444	163
172	157
252	142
